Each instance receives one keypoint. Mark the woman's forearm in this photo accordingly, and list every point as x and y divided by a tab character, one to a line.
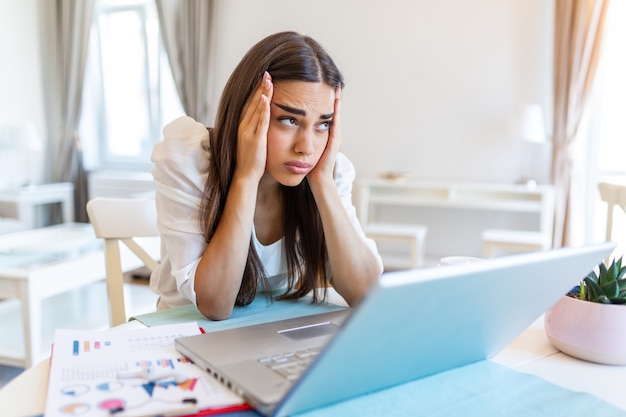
220	271
354	265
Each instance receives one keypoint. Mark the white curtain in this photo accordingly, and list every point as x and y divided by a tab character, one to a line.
186	30
65	26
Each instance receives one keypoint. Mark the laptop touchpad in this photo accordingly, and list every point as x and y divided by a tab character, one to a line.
307	332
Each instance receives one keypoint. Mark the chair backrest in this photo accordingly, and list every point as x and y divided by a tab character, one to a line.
614	195
118	220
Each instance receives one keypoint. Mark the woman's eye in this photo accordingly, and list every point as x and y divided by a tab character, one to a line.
288	121
325	125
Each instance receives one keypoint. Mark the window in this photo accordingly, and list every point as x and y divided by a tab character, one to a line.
607	125
129	92
611	124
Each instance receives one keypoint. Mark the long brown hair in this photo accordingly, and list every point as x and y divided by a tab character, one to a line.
286	56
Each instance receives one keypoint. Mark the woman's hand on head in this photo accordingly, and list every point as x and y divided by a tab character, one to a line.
324	169
253	127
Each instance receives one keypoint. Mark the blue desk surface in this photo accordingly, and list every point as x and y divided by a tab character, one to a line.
480	389
483	389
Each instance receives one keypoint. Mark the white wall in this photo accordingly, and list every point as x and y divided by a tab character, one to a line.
21	100
432	86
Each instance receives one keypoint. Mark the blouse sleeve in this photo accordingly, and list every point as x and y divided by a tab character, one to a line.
345	175
181	162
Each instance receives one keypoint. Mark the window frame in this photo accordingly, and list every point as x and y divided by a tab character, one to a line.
156	66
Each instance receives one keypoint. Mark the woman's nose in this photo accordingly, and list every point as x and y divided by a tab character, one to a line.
304	142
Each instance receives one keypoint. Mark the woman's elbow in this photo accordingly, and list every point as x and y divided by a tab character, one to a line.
215	312
358	291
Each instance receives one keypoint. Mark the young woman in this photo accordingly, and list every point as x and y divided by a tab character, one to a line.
263	199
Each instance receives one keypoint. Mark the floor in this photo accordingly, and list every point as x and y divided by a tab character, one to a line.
84	308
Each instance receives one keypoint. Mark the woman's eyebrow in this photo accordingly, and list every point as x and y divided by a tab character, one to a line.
290	109
301	112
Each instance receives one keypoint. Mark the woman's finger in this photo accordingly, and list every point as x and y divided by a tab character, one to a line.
252	136
263	122
334	137
251	107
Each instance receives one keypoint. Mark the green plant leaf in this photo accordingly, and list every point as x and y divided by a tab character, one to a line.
582	291
608	285
622	270
595	291
610	289
602	299
602	276
612	271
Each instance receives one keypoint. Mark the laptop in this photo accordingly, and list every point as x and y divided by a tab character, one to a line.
412	324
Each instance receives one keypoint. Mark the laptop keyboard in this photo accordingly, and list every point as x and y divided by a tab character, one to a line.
291	365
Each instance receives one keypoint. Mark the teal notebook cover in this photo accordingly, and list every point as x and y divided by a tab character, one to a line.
261	310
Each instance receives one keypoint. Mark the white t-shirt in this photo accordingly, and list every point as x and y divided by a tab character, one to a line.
181	162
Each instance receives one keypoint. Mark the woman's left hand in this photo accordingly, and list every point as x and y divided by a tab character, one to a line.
324	169
354	266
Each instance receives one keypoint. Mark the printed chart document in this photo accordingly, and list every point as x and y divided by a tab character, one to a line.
126	373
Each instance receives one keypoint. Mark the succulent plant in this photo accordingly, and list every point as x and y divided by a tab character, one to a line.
607	286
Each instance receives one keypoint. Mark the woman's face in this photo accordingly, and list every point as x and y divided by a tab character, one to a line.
301	115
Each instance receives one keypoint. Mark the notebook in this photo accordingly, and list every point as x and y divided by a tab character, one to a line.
412	324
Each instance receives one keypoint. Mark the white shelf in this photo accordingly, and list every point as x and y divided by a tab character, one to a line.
488	202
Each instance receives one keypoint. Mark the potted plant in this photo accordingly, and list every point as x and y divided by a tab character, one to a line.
590	321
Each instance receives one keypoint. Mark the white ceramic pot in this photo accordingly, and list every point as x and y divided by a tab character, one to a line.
590	331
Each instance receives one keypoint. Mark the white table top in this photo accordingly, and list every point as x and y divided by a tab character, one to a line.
530	352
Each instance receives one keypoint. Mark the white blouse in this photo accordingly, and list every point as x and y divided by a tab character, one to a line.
181	162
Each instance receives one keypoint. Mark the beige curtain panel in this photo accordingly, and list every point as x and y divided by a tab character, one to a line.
577	39
65	26
186	31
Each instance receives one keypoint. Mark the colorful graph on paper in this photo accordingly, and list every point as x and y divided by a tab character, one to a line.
95	372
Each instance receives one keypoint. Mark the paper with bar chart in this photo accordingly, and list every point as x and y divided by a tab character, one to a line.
129	373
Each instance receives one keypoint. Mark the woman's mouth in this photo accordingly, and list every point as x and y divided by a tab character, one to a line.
298	167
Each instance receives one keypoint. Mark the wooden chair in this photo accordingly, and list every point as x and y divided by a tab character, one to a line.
614	195
122	220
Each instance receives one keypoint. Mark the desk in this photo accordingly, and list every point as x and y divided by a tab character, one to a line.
28	198
374	195
529	353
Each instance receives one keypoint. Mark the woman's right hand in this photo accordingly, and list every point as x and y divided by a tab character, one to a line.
252	133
